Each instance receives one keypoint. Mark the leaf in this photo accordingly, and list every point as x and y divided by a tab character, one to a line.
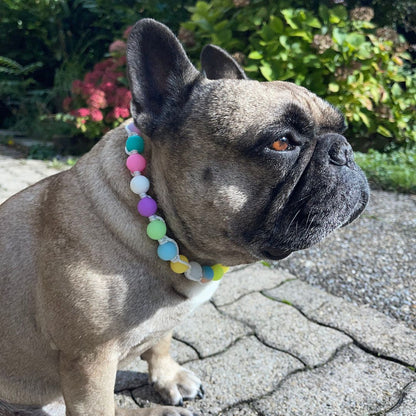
255	55
9	63
383	131
276	24
288	14
267	71
396	91
338	36
338	14
364	118
324	13
313	22
355	39
333	87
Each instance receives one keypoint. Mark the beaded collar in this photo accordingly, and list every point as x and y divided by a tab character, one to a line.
168	249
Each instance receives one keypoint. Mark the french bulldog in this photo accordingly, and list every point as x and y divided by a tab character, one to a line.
241	171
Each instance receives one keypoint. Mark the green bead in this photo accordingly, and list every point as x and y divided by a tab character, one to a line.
218	271
135	143
156	230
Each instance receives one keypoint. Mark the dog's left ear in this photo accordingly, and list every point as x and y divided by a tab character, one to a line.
160	74
218	64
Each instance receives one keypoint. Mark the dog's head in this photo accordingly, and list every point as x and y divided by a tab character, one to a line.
242	170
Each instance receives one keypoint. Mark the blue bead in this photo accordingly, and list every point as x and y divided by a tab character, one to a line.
207	272
167	251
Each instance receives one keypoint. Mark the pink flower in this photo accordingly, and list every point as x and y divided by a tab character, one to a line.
77	86
127	32
107	87
110	116
96	115
110	77
93	77
121	112
97	99
103	65
87	89
122	60
122	97
117	47
66	103
82	112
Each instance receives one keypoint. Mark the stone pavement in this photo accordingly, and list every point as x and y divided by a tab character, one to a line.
270	344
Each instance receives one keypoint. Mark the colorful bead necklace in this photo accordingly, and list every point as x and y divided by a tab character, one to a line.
168	249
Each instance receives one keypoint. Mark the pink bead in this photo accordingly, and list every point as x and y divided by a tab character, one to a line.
136	163
147	207
131	127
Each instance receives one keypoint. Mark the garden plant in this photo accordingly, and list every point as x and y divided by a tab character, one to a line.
344	53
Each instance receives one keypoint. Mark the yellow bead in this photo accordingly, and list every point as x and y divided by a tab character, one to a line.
179	267
225	268
218	271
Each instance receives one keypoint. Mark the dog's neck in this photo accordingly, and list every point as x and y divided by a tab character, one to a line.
168	249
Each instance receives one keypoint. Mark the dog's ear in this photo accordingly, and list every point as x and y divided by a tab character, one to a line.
160	74
217	64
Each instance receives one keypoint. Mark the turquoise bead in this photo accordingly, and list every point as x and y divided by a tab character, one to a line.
135	142
167	251
207	272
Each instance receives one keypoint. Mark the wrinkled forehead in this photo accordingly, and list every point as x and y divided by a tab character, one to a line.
237	105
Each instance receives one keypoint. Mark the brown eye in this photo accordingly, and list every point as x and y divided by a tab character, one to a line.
281	144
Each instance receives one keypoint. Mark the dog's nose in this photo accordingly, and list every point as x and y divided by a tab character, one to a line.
340	151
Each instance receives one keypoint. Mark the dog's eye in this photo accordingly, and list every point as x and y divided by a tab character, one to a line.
282	144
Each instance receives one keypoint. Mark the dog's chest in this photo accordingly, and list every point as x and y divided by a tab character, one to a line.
199	293
140	338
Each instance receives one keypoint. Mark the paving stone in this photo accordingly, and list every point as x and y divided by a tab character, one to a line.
248	279
17	174
131	375
407	407
283	327
124	400
369	327
209	332
246	370
182	352
146	396
353	384
242	410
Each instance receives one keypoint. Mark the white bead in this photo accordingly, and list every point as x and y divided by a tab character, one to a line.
139	184
194	272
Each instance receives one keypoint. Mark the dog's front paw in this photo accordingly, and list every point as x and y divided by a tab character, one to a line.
175	383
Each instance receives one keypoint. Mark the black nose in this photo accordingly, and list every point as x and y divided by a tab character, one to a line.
340	152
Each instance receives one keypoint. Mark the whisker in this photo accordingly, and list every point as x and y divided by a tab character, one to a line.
293	219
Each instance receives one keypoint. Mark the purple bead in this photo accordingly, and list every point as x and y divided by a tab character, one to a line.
131	127
147	206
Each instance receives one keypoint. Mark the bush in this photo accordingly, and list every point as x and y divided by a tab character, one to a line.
394	171
101	100
362	69
65	39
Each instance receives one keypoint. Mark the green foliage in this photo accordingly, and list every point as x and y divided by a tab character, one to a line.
10	67
58	41
363	70
394	171
17	90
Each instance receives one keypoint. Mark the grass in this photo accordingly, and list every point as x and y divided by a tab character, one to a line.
393	171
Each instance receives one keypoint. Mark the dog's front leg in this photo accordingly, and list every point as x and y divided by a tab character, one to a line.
173	382
87	381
